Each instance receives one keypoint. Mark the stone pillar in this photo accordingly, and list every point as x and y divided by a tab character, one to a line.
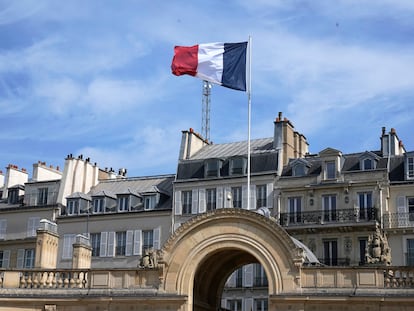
47	242
82	253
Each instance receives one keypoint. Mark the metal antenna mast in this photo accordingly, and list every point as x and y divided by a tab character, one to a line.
205	122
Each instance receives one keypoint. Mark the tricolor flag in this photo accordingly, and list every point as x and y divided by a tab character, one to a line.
220	63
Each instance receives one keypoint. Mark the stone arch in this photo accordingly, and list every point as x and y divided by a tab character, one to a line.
203	252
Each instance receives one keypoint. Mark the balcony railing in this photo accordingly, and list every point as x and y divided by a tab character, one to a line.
341	216
398	220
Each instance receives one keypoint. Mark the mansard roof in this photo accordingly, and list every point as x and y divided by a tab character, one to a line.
135	185
351	162
234	149
263	158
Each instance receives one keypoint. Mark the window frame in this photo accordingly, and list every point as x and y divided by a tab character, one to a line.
211	199
237	197
186	202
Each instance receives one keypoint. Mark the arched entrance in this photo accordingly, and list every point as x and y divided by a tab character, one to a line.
204	251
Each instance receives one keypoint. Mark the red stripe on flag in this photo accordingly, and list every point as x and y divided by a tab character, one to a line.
185	60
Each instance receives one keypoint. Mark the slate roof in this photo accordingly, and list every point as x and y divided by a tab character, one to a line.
351	163
234	149
263	156
136	185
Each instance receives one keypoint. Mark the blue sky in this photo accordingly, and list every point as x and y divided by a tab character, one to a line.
93	77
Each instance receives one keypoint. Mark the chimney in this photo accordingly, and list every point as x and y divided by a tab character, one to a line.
391	145
191	142
287	141
13	177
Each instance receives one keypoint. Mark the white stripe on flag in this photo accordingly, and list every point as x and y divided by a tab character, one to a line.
210	62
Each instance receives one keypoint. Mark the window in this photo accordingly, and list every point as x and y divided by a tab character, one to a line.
330	253
98	205
410	252
32	226
4	259
236	194
149	202
96	244
234	305
365	205
73	207
211	199
362	250
329	207
42	196
330	172
212	168
25	258
367	164
237	166
410	204
260	305
123	203
13	196
261	196
298	170
259	276
147	240
410	167
186	201
3	228
295	209
239	277
120	243
68	240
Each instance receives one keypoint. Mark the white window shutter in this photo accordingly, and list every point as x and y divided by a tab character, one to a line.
220	197
177	225
248	304
227	197
202	200
20	258
129	242
157	237
252	197
32	225
111	244
231	281
248	275
402	211
3	228
194	203
6	258
104	244
178	206
137	242
244	196
68	240
269	195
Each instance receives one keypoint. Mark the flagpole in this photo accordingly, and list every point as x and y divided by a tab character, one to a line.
249	103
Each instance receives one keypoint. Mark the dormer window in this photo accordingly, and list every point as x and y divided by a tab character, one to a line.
98	205
298	170
367	164
237	166
410	167
150	201
73	206
13	196
123	203
42	196
330	170
212	168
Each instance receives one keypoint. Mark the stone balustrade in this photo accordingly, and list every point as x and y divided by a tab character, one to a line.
80	278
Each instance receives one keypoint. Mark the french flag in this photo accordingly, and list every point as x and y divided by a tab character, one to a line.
220	63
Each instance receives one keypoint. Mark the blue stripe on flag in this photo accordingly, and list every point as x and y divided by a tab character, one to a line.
234	66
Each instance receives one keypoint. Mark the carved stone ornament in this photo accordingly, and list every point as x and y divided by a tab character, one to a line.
377	251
